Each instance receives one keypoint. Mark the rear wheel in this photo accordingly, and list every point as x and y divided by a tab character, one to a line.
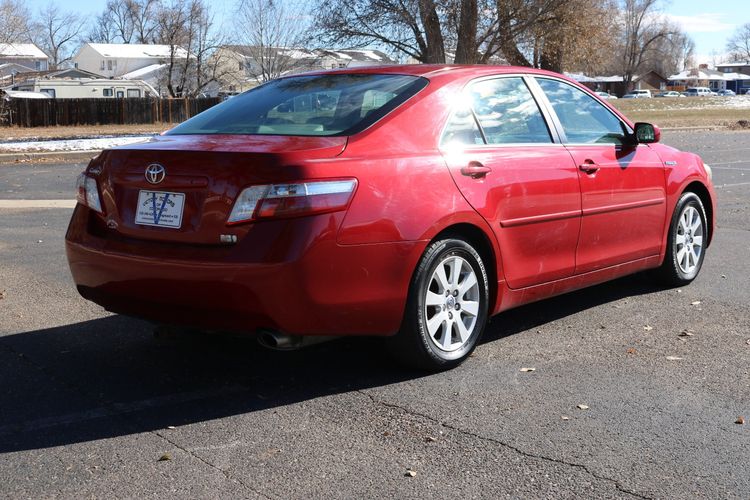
446	311
686	244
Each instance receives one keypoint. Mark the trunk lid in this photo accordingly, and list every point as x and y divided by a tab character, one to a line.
202	177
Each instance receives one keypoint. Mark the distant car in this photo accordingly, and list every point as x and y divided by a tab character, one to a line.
698	92
423	201
605	95
670	93
638	94
726	93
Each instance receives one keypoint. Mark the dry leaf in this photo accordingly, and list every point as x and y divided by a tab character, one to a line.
674	358
648	328
740	420
528	369
410	473
631	351
2	295
582	407
386	433
165	457
695	303
430	439
686	333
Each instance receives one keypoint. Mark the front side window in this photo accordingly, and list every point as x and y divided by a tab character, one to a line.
310	105
584	119
507	112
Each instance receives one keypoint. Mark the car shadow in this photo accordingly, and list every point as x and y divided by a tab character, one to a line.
111	377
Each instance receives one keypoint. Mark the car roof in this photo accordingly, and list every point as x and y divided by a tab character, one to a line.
434	70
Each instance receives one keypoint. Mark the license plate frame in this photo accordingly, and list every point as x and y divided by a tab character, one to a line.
160	209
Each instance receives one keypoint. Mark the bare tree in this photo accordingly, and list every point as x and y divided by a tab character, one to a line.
56	32
14	22
127	21
271	32
738	44
643	31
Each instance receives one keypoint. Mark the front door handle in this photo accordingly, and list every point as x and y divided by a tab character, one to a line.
589	167
475	170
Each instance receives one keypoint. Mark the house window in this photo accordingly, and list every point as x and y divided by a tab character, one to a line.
102	66
109	65
38	65
120	94
49	92
134	93
342	65
242	67
107	92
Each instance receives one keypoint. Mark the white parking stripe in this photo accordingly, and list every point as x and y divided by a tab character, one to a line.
37	203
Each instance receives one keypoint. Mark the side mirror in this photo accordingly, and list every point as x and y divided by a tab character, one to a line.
645	133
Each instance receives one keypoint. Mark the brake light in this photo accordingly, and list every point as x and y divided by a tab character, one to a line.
87	193
290	200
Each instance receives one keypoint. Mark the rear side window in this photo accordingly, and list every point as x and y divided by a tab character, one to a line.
507	112
314	105
584	119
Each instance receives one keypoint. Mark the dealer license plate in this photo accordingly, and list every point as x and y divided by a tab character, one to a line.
160	208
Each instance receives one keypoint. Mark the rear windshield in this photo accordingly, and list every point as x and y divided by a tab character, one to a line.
314	105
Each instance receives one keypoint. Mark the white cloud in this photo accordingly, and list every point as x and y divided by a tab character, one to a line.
703	23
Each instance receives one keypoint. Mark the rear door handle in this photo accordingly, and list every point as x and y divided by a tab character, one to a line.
589	167
475	170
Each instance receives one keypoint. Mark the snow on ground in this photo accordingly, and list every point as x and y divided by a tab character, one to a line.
94	144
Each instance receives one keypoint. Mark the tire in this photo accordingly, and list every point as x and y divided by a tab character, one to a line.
686	242
446	311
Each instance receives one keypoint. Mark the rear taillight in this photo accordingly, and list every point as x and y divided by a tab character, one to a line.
290	200
87	193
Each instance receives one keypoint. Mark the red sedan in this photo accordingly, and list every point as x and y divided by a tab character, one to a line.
408	201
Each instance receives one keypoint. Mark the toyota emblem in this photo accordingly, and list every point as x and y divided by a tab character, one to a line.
155	173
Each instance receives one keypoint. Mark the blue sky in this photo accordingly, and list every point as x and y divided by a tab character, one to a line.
709	23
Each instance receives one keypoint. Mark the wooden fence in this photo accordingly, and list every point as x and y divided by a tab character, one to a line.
71	112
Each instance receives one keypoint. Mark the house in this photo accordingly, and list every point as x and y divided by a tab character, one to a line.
81	88
736	74
615	84
113	60
239	66
24	55
715	80
333	59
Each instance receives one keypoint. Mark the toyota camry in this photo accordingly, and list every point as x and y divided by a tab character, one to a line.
409	202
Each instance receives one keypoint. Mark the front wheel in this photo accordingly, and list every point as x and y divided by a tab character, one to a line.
686	244
446	311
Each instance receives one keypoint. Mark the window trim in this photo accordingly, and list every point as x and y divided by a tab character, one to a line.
534	90
558	124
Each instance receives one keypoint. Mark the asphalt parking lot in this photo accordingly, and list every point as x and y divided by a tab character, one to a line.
635	392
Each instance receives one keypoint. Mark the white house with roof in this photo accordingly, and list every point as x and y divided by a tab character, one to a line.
714	79
15	57
238	65
120	59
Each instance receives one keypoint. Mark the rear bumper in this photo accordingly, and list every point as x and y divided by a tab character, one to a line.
289	276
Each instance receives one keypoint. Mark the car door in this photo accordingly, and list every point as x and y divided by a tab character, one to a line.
623	194
509	165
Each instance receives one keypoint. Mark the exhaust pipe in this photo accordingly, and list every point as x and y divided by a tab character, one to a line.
278	341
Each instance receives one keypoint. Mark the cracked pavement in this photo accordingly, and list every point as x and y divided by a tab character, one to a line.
90	402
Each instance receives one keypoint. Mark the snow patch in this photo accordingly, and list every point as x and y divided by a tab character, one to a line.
70	144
